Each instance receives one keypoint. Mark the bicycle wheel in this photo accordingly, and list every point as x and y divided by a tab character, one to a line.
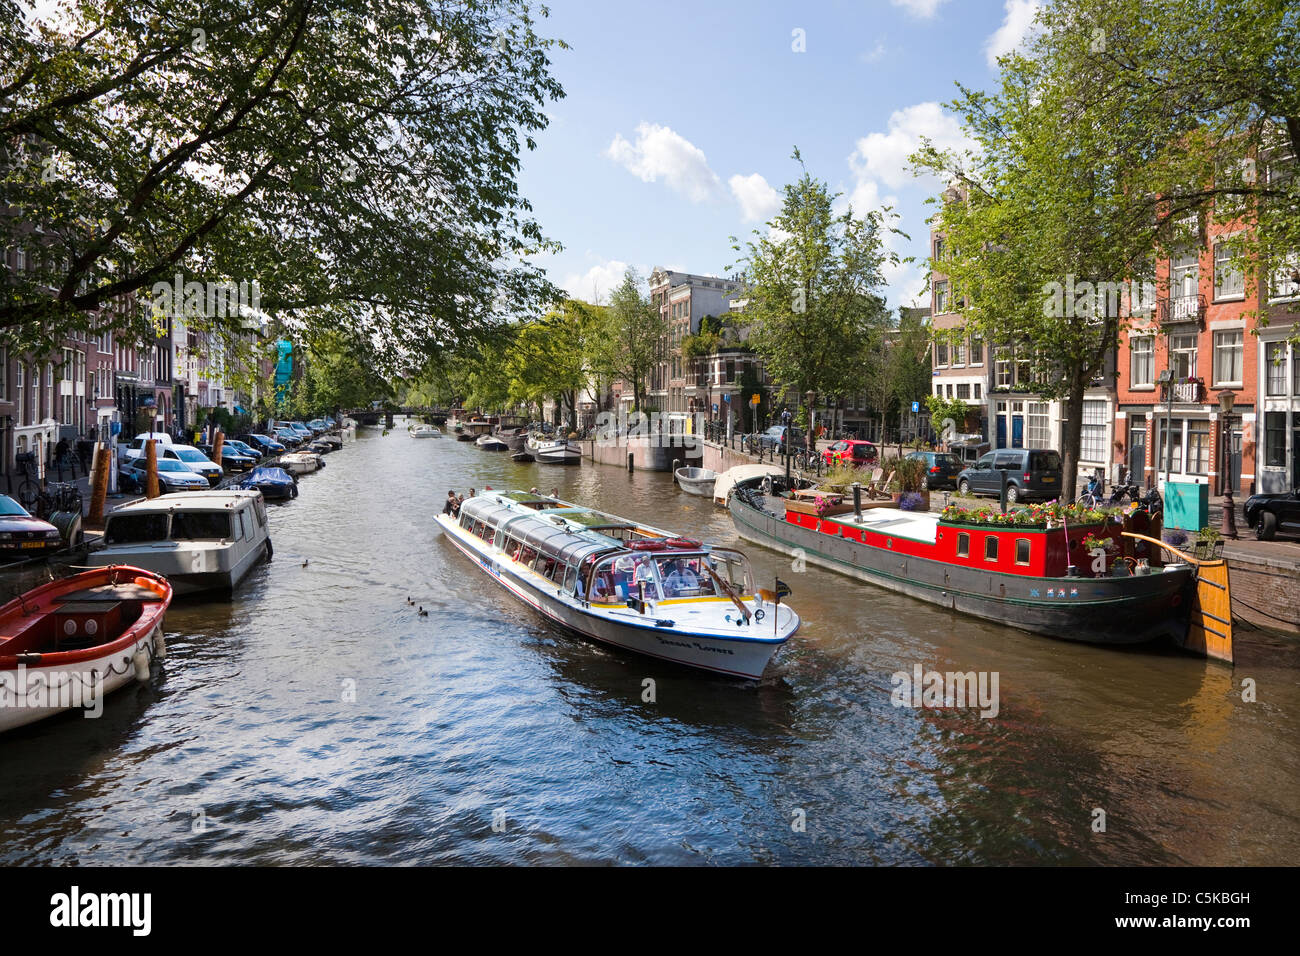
29	493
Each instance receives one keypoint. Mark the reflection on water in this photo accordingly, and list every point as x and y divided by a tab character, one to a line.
318	718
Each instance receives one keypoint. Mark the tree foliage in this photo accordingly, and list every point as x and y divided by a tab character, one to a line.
358	159
628	342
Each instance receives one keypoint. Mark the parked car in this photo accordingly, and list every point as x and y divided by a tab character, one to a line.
851	451
232	459
266	443
776	437
968	451
194	460
1269	514
941	468
287	436
136	448
173	476
245	449
22	535
319	425
1031	473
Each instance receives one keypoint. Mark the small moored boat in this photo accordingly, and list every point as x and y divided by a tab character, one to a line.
425	431
696	481
554	451
275	484
201	540
623	583
68	643
491	443
301	462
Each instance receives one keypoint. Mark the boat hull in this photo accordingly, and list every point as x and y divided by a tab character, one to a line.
1103	610
696	481
34	686
733	657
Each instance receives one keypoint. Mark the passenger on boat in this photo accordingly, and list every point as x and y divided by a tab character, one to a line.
679	579
450	508
645	574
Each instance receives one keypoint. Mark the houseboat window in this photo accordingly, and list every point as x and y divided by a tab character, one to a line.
963	545
134	529
990	547
243	530
200	525
1022	550
259	507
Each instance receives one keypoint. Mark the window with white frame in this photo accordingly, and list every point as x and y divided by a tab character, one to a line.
1229	281
1275	369
959	352
1182	355
1039	425
1142	355
1198	447
1092	444
941	296
1183	276
1227	357
1284	281
1002	368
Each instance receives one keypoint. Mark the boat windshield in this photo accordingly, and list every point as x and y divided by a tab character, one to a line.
686	576
136	529
616	579
733	568
200	525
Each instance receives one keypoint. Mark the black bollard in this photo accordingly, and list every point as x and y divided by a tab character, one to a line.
857	500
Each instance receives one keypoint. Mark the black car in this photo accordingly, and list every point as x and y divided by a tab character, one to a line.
1031	473
1269	514
941	469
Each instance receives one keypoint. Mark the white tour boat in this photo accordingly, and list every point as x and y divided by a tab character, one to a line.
625	584
198	540
425	431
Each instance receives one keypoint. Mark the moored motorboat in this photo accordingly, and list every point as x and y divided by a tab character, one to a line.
623	583
491	443
301	462
425	431
522	457
696	481
1039	579
200	540
554	451
275	484
69	642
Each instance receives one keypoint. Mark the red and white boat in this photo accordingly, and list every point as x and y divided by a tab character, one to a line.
68	643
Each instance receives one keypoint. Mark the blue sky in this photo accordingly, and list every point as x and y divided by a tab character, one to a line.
681	116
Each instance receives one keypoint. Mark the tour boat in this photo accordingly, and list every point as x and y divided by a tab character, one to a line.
67	643
696	481
425	431
491	443
623	583
201	540
554	451
1039	579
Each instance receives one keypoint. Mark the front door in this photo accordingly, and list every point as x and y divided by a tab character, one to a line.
1018	431
1137	454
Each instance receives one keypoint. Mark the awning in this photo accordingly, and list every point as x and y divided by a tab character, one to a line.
240	411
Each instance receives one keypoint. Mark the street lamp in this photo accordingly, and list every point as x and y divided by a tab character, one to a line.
1229	523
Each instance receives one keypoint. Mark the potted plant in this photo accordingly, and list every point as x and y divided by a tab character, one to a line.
909	479
1209	544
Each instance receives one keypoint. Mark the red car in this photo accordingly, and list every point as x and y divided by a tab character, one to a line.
851	451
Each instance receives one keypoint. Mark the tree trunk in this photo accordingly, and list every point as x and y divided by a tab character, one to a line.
1073	435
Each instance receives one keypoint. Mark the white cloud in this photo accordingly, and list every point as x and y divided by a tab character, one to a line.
1015	28
659	152
919	8
758	200
875	54
884	156
596	284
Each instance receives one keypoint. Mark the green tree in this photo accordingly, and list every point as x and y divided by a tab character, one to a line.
549	358
816	307
628	342
357	159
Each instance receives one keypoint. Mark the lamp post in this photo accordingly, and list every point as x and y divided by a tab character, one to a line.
1229	523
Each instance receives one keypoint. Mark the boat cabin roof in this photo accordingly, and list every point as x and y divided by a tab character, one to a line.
188	501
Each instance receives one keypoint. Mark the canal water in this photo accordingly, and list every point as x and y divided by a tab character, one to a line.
320	718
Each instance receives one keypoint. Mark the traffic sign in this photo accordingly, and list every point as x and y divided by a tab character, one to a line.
916	407
754	399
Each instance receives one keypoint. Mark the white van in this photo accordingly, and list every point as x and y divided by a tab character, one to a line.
136	448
